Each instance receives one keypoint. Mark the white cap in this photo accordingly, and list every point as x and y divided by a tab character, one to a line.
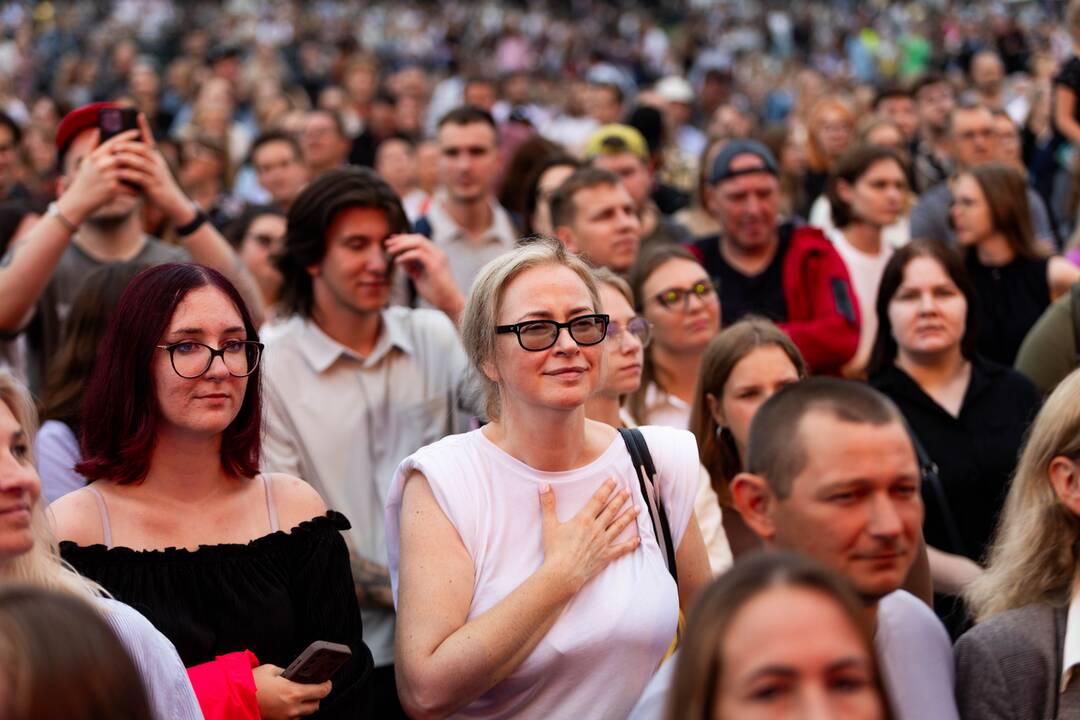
675	89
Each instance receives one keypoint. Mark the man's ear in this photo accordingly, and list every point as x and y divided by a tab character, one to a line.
314	270
1065	479
566	236
756	503
709	199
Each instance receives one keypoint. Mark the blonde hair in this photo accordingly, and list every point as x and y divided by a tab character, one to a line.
42	565
1036	549
605	276
481	313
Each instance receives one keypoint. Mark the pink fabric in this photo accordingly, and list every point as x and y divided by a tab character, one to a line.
225	687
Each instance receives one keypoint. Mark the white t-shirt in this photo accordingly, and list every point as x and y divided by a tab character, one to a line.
599	655
164	676
916	659
57	452
866	271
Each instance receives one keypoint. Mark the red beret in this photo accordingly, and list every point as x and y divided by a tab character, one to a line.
79	119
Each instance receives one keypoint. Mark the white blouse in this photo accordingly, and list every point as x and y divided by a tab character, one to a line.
601	652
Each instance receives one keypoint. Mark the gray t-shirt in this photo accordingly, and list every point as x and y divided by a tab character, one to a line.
44	330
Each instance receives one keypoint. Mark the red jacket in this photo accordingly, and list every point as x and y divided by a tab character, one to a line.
822	314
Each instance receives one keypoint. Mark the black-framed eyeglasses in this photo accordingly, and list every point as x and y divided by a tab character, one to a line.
191	359
673	298
537	335
637	326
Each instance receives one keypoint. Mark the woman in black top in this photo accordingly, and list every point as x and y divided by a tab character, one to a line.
1014	281
179	523
969	413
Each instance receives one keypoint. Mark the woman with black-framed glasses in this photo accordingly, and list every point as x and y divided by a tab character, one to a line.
528	579
673	292
240	570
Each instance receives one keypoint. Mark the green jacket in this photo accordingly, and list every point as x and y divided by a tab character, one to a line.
1049	352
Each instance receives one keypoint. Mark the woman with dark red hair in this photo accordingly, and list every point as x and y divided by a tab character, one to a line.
178	521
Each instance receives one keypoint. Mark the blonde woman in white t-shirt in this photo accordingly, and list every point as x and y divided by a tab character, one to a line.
527	576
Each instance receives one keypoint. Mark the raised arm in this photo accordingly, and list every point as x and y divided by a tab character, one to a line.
443	662
30	262
147	168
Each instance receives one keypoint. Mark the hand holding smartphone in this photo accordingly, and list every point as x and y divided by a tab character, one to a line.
113	121
319	661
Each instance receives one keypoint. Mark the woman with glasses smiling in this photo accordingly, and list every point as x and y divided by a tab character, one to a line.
528	580
674	293
177	520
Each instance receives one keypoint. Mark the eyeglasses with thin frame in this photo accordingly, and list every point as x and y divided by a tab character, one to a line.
637	326
537	335
192	359
673	298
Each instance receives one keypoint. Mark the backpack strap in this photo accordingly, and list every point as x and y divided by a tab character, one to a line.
646	472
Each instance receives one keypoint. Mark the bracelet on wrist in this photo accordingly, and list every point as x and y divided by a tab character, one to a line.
192	225
54	212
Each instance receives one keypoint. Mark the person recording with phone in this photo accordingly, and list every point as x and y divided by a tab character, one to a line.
110	167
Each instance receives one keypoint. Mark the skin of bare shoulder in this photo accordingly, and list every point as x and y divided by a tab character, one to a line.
1061	275
297	501
75	517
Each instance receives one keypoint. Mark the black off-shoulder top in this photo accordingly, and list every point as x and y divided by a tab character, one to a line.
273	596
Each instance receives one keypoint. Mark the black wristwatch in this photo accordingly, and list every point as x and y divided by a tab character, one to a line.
192	225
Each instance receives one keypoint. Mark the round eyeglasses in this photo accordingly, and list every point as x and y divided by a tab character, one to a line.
192	359
537	335
637	326
679	298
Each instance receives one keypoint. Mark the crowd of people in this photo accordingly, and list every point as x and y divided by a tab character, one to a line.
566	359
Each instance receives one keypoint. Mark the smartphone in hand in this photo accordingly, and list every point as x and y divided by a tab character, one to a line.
317	663
113	121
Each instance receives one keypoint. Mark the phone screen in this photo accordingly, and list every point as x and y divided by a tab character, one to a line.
113	121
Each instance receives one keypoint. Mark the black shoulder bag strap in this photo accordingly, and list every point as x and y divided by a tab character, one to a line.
646	472
929	471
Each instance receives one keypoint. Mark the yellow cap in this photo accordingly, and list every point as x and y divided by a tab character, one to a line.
615	138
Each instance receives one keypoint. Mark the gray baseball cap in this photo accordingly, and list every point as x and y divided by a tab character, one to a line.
721	167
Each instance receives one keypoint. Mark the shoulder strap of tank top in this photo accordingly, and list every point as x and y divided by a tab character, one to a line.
106	529
271	508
